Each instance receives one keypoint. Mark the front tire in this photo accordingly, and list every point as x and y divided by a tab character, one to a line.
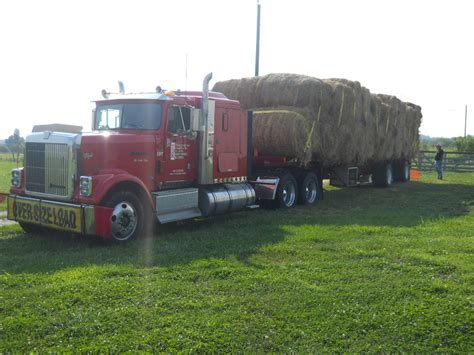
128	218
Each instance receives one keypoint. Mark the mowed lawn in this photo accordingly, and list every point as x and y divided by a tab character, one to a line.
376	270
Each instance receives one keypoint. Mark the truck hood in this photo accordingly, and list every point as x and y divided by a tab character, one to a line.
130	152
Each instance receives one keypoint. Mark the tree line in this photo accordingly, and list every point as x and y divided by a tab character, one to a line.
459	144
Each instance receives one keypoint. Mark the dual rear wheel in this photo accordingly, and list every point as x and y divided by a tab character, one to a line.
385	174
291	191
401	170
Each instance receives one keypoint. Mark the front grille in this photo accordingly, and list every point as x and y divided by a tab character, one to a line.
35	166
46	166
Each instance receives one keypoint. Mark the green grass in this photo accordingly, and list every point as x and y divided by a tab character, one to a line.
365	270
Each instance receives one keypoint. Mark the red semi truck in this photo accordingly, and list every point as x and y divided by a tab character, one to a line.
161	157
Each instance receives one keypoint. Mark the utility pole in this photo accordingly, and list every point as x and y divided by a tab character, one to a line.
465	123
257	50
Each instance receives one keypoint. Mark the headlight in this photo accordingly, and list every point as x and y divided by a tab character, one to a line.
85	183
16	177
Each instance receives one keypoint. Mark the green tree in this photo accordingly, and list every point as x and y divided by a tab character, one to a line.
464	144
15	145
429	143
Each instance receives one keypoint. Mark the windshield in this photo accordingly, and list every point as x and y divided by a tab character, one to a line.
128	116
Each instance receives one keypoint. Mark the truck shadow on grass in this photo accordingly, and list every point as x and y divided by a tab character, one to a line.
239	235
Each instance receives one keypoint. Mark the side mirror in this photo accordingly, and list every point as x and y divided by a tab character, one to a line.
93	120
196	120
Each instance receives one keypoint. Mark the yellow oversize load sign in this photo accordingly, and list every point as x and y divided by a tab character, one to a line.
49	214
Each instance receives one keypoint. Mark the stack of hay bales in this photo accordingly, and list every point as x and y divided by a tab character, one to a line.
332	121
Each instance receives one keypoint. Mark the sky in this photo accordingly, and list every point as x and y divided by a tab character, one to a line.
57	56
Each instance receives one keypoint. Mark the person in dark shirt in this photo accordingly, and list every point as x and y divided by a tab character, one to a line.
439	161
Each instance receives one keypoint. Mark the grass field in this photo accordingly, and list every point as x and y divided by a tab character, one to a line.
365	270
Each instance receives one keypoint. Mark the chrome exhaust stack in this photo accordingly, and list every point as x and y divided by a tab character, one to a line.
206	144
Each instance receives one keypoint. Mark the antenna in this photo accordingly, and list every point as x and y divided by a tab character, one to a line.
465	122
186	74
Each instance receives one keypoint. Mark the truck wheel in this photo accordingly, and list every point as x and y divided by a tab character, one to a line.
287	192
383	175
308	189
128	216
402	171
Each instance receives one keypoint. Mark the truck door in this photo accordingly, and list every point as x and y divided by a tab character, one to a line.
228	144
180	167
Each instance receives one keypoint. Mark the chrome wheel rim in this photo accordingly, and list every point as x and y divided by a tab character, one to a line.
311	191
289	194
123	221
389	175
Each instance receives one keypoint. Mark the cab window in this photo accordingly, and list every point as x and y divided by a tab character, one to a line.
179	119
108	117
140	116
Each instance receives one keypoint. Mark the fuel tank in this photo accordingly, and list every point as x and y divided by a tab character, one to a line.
225	198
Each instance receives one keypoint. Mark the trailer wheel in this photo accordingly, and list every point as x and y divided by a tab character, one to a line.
308	189
128	217
383	175
287	192
402	171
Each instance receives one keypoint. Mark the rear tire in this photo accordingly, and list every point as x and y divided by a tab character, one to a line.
383	175
308	189
287	192
402	171
128	220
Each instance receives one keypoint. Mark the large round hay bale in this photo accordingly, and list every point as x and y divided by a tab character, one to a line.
272	128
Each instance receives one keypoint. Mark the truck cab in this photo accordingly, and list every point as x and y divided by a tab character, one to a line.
164	155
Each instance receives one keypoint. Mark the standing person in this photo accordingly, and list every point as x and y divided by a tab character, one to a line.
439	161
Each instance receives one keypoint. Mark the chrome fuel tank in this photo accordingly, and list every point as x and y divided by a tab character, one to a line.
224	198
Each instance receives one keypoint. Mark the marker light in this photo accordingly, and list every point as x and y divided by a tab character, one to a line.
85	183
17	177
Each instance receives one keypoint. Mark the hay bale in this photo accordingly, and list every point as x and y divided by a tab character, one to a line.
290	127
395	127
414	118
276	90
403	128
354	121
332	121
